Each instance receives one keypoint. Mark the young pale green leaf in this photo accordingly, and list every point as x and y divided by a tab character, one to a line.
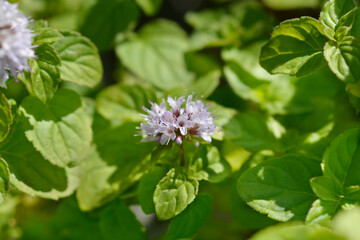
191	219
344	58
280	187
4	180
325	188
210	165
47	35
118	222
61	129
322	212
334	10
346	223
30	172
108	18
296	231
80	59
6	117
45	74
156	55
124	101
294	48
115	161
146	189
150	7
173	194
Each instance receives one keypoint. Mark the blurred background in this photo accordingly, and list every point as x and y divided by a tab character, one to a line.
211	27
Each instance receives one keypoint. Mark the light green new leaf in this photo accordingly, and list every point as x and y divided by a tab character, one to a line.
108	18
334	10
325	188
118	222
150	7
45	74
146	189
322	212
5	117
80	59
280	187
61	129
347	222
191	219
4	180
173	193
115	161
344	59
295	47
124	101
30	172
156	54
296	231
47	35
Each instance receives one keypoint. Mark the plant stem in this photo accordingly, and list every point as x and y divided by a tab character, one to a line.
182	156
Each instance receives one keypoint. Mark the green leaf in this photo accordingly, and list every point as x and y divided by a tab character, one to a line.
146	189
254	131
341	159
334	10
292	5
201	64
347	222
156	54
4	180
294	47
114	163
47	35
124	101
61	129
118	222
191	219
321	212
296	231
45	75
80	59
108	18
210	165
173	193
5	117
325	188
344	59
280	187
29	171
150	7
251	82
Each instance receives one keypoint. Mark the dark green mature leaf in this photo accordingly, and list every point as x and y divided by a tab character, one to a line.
80	59
115	161
61	129
45	72
4	180
344	58
280	187
251	82
156	55
30	172
106	19
296	231
294	48
173	193
191	219
146	189
334	10
5	117
150	7
124	101
118	222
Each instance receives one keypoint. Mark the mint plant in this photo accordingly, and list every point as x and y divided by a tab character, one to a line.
152	119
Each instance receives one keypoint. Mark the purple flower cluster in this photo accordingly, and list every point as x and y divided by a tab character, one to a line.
178	123
15	41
